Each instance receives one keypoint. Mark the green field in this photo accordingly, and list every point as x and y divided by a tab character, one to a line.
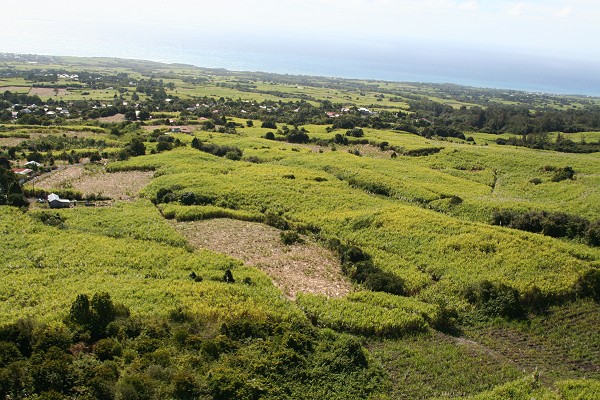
443	303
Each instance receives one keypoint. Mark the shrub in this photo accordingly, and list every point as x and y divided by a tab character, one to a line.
563	174
163	146
270	136
593	234
9	352
276	221
107	349
269	125
387	282
339	139
495	300
185	386
535	181
94	316
50	218
290	237
187	198
589	284
233	155
550	224
355	132
297	136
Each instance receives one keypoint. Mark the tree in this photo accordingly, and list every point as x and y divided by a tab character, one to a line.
11	192
103	313
130	115
136	147
339	139
4	162
81	313
144	115
269	125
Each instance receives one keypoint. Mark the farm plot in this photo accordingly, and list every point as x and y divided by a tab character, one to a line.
47	92
116	186
301	267
11	141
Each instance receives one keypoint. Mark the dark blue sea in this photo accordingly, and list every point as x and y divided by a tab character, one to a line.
403	61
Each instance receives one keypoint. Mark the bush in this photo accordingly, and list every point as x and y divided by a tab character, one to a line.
535	181
270	136
107	349
185	386
93	316
297	136
589	284
163	146
387	282
276	221
290	237
495	300
233	155
550	224
593	234
563	174
339	139
355	132
269	125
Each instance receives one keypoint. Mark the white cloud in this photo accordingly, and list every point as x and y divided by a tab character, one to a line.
564	12
517	9
469	5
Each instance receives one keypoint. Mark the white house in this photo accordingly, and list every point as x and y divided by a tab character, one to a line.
33	164
56	202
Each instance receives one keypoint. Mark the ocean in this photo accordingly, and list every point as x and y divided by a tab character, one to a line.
402	61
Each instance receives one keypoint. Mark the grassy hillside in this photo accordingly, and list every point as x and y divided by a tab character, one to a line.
361	252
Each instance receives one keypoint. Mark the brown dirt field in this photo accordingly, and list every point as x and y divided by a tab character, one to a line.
114	118
47	92
185	128
304	267
9	142
17	89
117	186
61	178
78	134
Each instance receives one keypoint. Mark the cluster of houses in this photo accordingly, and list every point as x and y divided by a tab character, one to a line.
27	170
344	110
19	109
54	201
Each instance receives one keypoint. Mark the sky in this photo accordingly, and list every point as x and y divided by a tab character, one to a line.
559	31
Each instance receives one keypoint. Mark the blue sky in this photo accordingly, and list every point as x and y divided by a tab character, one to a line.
566	28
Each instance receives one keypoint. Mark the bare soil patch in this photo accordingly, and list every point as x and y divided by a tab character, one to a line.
47	92
117	185
113	118
184	128
10	142
302	267
15	89
78	134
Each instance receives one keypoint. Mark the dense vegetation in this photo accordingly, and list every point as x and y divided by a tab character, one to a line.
466	222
